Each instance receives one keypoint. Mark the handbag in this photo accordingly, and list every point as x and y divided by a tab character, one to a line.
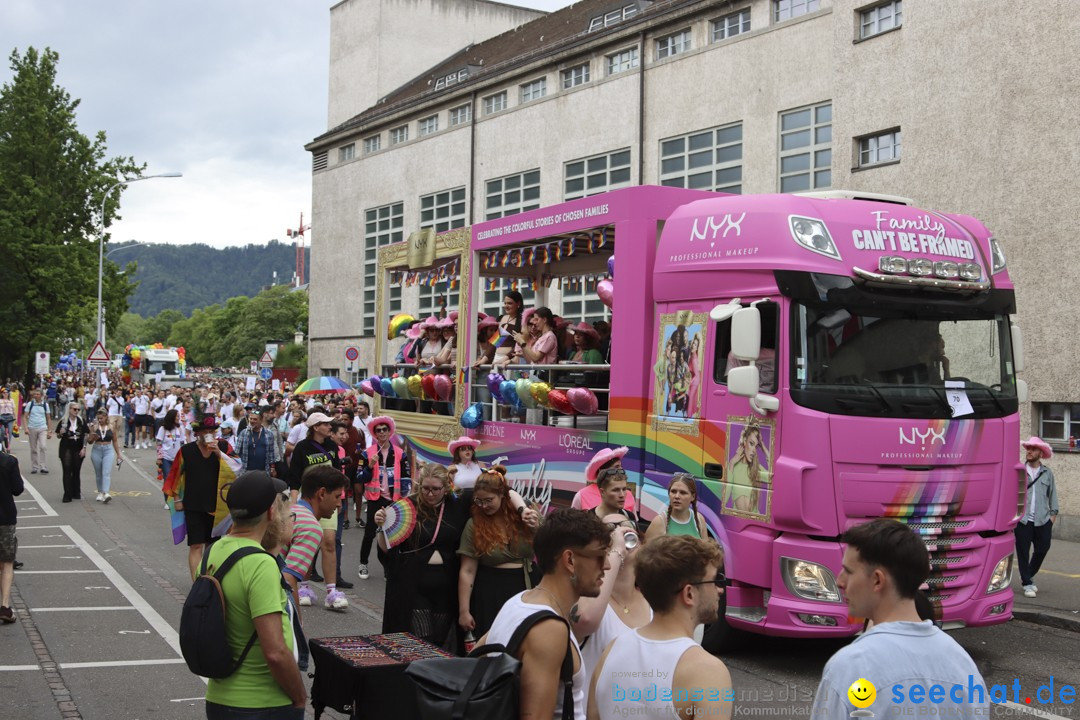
486	683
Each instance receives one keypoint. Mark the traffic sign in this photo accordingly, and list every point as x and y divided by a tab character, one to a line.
266	360
254	365
98	357
41	363
266	373
352	353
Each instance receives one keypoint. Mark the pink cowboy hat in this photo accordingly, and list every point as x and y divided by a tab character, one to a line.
463	441
430	322
604	456
445	323
487	321
585	329
1038	444
382	420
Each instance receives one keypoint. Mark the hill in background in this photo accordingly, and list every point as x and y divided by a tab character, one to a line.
186	277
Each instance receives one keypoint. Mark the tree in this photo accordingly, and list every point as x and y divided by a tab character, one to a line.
52	181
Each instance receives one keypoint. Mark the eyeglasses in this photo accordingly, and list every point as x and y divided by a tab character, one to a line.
611	473
719	581
431	490
484	502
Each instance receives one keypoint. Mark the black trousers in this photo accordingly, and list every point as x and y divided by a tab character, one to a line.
373	506
72	467
1028	534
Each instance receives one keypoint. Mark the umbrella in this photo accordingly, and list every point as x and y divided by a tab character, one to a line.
322	385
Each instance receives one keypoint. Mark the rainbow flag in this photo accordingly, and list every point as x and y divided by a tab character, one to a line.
174	489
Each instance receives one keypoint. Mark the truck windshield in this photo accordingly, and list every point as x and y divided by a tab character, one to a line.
904	360
166	367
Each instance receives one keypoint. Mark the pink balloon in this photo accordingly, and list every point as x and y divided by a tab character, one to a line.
583	400
443	386
606	290
365	387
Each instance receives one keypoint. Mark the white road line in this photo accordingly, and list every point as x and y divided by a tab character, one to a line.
26	501
121	663
187	699
158	623
31	517
57	572
1030	710
13	668
144	476
42	547
46	507
37	527
80	609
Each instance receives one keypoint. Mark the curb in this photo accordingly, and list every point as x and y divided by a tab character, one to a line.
1048	619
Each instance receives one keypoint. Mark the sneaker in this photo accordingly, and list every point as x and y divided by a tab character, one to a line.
335	600
1029	591
345	584
307	596
1034	587
166	506
361	523
107	498
6	614
44	471
345	525
364	574
34	471
100	497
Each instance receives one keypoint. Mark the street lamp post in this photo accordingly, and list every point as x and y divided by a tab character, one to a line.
101	244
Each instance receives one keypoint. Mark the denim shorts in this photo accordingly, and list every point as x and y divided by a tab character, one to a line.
8	543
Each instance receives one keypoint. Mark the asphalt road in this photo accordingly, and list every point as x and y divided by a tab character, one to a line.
100	595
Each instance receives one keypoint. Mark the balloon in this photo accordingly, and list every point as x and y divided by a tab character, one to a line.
376	384
367	389
397	323
400	386
443	387
524	386
606	290
583	400
387	387
473	417
539	391
427	382
508	392
559	402
494	381
416	388
611	266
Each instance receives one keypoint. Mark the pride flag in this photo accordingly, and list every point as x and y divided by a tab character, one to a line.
173	488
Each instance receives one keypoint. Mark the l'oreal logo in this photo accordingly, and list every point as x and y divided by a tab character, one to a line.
923	438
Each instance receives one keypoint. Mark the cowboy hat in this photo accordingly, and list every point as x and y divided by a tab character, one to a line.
382	420
1038	444
602	458
463	441
487	321
585	329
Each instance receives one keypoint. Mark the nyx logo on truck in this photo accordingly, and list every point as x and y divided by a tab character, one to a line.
918	437
726	223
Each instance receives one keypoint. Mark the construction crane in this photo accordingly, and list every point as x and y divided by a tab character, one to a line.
298	236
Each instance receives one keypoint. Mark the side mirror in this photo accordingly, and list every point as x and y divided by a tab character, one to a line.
1017	348
746	334
743	381
1022	390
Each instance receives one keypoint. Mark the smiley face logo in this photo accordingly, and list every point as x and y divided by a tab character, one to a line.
862	693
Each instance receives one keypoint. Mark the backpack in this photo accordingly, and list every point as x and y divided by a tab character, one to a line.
203	640
479	686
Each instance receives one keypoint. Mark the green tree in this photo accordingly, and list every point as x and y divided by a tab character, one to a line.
158	328
52	181
129	330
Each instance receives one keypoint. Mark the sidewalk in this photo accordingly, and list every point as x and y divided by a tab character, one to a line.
1058	602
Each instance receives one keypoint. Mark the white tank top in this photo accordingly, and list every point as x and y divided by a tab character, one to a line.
466	475
618	691
513	612
611	627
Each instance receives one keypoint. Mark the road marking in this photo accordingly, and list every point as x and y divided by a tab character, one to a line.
32	517
25	501
187	699
80	609
45	507
13	668
144	476
71	557
121	663
98	587
133	632
1029	710
56	572
1059	574
42	547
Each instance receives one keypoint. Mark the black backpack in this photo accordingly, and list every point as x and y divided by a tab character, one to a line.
203	640
479	686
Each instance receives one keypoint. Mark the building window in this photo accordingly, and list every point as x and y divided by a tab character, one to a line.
731	25
672	44
806	148
460	115
620	61
878	19
372	143
572	77
534	90
346	152
704	160
443	210
382	226
493	299
615	16
880	148
1059	421
512	194
331	372
452	79
495	103
399	134
787	9
356	376
596	174
429	125
580	303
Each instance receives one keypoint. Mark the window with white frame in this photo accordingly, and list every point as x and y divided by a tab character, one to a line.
495	103
596	174
615	16
493	299
346	152
429	125
331	372
356	376
1058	421
433	298
787	9
577	75
731	25
399	134
704	160
622	61
443	210
534	90
879	18
879	148
581	303
382	226
372	143
672	44
460	115
512	194
806	148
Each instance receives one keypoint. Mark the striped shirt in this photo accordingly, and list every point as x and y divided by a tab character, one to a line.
306	539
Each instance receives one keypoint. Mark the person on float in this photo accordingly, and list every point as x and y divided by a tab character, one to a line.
510	324
463	452
585	340
589	497
682	516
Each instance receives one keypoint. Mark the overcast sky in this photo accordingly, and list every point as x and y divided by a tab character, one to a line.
225	91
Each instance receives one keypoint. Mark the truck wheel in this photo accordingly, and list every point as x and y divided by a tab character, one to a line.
720	638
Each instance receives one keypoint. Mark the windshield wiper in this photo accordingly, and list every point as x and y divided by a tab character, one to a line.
877	392
940	395
993	396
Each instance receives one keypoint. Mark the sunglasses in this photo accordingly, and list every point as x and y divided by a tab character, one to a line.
611	472
382	429
719	581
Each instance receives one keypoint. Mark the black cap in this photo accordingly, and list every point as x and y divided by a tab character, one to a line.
252	494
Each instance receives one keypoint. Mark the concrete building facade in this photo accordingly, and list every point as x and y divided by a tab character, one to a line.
964	106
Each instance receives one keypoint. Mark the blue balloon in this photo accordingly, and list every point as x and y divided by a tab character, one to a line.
473	416
387	388
611	266
508	392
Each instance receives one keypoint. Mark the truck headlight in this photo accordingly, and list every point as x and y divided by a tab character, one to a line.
997	256
1002	575
809	580
812	234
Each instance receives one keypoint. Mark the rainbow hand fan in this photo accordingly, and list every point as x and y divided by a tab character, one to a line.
400	521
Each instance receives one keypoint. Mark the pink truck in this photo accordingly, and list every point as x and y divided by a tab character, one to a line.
815	361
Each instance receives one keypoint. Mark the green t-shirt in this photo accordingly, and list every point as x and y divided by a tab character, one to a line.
252	589
521	552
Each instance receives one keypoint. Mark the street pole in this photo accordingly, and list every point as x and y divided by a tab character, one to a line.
101	245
